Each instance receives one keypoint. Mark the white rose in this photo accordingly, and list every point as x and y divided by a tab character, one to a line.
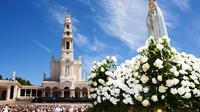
99	99
146	89
162	97
91	89
114	59
173	91
102	69
95	83
154	98
181	91
144	59
176	73
139	98
173	69
93	95
145	67
95	103
101	81
162	89
144	79
187	95
154	80
158	63
93	75
159	78
145	103
169	83
159	46
175	81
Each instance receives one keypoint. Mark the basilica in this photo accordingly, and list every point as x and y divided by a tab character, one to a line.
65	79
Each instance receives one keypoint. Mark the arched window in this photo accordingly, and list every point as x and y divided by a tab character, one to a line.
66	92
56	92
67	26
67	45
67	69
85	92
77	92
47	92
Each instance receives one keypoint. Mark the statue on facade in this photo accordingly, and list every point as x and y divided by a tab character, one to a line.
13	75
155	22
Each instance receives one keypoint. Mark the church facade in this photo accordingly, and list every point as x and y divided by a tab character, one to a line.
65	79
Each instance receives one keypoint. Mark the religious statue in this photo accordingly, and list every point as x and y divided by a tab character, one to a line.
155	21
13	75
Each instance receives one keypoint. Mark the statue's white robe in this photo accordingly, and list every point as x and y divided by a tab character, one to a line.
156	24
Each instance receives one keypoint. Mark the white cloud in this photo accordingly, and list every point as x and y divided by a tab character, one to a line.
182	4
81	40
41	46
125	20
97	45
91	6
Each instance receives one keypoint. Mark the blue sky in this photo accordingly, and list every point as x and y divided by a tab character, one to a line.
31	31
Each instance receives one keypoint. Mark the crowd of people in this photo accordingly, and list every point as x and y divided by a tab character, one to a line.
44	108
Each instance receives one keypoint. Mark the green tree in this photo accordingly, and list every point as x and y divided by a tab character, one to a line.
23	81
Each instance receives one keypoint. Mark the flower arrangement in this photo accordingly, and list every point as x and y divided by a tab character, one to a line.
158	77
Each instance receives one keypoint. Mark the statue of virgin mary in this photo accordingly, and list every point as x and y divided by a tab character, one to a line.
155	21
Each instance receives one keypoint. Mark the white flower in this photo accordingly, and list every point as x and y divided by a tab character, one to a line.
139	98
93	75
114	59
144	79
169	83
145	103
181	91
158	63
99	99
187	95
162	97
162	89
154	98
175	81
95	83
173	69
154	80
144	59
101	81
159	46
146	89
176	73
145	67
159	78
95	103
102	69
93	95
91	89
173	91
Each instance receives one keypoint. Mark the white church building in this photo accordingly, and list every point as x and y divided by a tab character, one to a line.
65	79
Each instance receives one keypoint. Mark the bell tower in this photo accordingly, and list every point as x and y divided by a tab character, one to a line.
67	53
67	40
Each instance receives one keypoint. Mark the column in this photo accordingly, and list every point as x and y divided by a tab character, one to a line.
89	94
19	92
25	93
72	93
81	94
15	92
43	93
36	93
30	92
62	93
8	93
51	93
